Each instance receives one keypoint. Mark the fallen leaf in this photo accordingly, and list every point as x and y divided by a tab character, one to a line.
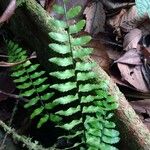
142	108
9	11
131	57
133	75
48	5
127	20
109	4
132	20
131	39
95	18
116	21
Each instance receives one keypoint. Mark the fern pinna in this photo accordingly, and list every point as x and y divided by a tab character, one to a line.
30	82
84	107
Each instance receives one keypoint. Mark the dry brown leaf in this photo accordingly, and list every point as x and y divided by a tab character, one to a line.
128	19
9	11
48	5
142	108
95	18
131	39
117	20
132	57
109	4
133	76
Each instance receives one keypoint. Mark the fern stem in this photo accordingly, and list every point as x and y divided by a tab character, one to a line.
66	19
74	65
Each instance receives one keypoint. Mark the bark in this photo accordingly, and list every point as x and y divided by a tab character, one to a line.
31	24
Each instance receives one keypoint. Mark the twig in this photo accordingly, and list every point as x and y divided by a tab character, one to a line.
25	140
10	122
14	96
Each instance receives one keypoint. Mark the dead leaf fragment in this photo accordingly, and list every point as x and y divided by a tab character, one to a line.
9	11
132	57
131	39
95	18
133	76
127	20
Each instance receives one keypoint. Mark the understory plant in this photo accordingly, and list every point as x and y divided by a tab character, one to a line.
74	100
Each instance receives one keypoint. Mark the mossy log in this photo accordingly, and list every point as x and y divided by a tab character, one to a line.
30	23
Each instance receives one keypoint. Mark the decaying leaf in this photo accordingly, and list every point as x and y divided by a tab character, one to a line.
9	11
131	70
133	75
109	4
95	18
142	108
132	57
48	5
131	39
117	20
127	20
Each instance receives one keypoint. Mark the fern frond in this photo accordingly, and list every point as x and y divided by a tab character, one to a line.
85	105
30	82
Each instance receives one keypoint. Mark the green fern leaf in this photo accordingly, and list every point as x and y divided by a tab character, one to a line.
81	66
47	96
32	102
81	41
63	62
69	112
77	27
39	81
65	87
55	118
66	99
63	74
21	79
42	88
71	125
18	73
82	52
61	49
58	23
43	120
88	87
24	86
73	12
37	74
59	37
58	9
85	76
36	112
28	93
110	140
32	68
111	132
